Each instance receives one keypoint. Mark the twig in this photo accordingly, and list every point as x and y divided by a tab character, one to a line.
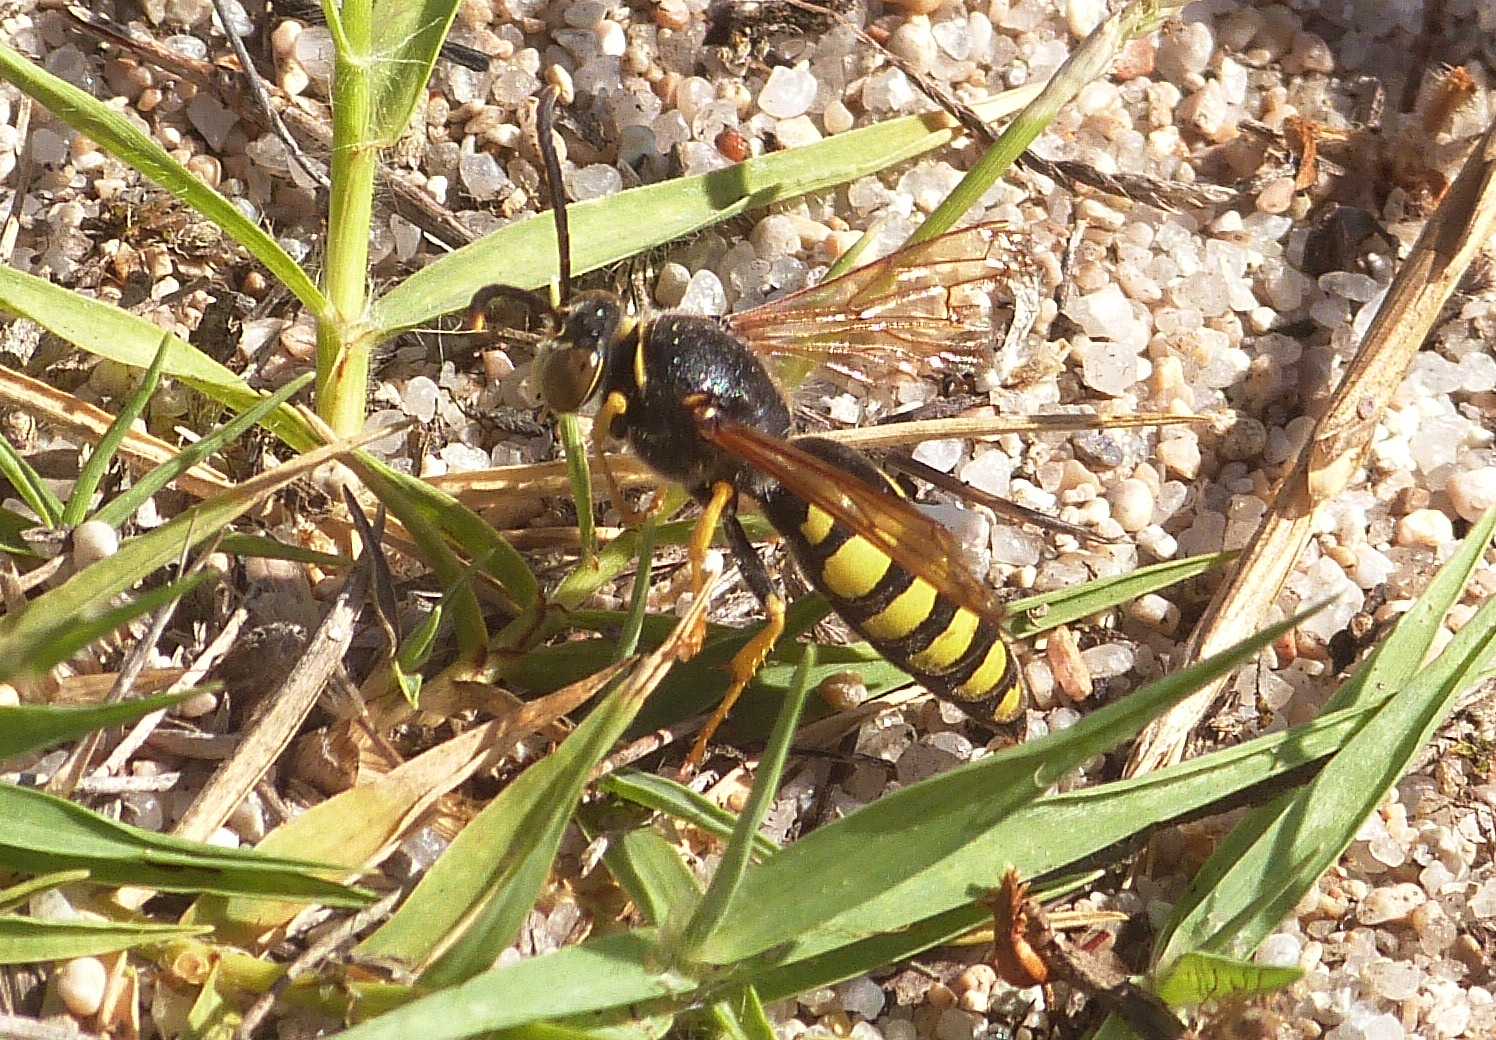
19	1027
315	954
142	729
262	98
43	574
203	747
113	785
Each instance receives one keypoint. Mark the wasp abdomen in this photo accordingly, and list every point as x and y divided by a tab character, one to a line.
952	651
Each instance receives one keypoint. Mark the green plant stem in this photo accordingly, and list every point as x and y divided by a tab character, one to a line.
342	353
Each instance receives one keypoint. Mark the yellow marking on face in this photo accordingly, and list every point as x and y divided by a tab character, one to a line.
855	569
904	614
989	673
946	649
817	526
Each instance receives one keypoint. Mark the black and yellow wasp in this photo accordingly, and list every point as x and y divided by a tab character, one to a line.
693	397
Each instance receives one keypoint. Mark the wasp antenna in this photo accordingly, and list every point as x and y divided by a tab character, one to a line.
545	127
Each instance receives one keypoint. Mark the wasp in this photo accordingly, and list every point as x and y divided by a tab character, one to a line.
693	397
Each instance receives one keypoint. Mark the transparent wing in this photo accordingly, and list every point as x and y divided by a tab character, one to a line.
917	543
923	305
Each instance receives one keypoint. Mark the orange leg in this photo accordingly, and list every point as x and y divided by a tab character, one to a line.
745	665
723	495
614	405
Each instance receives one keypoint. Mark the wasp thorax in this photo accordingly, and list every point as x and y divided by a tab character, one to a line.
570	369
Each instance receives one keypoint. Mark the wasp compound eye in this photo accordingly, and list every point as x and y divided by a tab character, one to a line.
568	376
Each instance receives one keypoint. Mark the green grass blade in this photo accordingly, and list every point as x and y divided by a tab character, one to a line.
633	626
92	473
1087	62
473	900
418	503
120	138
727	880
1273	856
13	896
614	971
140	557
604	231
30	486
13	524
43	834
921	911
424	520
26	940
578	472
118	335
833	871
1198	977
406	37
1034	614
37	651
619	554
118	510
651	871
659	794
31	727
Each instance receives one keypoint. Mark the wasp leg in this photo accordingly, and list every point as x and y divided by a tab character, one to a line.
614	405
724	497
747	661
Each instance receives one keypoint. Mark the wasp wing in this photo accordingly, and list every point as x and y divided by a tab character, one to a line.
892	523
926	303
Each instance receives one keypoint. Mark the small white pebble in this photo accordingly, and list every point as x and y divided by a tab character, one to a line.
283	39
1181	455
1391	903
797	132
1081	16
1277	197
1160	543
837	119
611	39
1425	528
93	541
198	705
1155	612
788	92
1472	492
1132	504
81	983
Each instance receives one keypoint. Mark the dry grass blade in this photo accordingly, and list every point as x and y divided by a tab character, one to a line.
892	434
483	487
1451	239
359	827
1457	232
90	422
